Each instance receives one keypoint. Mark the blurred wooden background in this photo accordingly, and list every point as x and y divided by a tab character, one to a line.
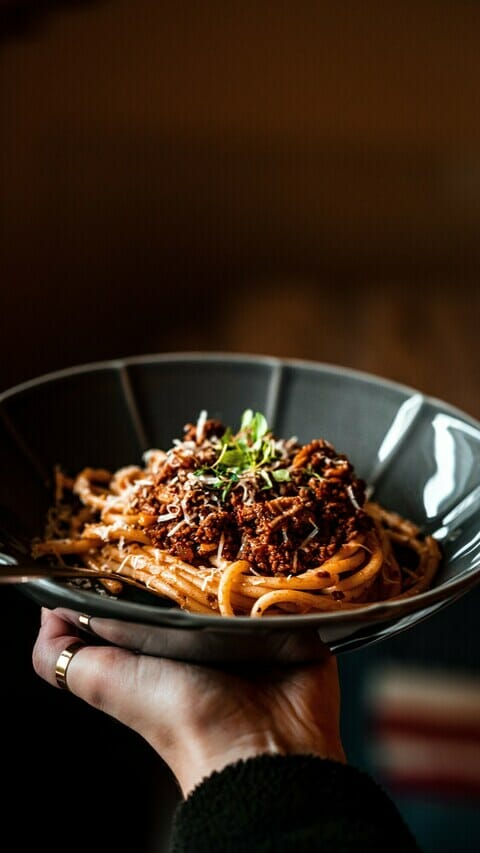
300	179
295	179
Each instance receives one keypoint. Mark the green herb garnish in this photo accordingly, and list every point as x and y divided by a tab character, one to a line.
251	449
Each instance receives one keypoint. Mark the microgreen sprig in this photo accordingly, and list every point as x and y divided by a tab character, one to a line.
251	449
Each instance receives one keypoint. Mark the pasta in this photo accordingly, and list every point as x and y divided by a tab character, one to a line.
240	524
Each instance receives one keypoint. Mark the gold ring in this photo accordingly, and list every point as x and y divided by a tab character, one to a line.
85	621
63	662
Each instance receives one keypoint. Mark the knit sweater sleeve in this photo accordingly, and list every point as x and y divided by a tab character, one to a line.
281	804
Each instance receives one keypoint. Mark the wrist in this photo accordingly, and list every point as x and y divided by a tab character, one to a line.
203	756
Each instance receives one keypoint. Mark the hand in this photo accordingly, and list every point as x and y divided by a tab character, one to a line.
197	718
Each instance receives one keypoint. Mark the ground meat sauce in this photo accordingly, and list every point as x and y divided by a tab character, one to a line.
287	511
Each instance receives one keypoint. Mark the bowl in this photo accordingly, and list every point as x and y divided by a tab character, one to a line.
420	456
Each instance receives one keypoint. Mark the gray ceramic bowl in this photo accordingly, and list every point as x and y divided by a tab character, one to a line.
420	456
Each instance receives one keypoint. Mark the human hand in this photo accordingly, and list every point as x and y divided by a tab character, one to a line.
198	718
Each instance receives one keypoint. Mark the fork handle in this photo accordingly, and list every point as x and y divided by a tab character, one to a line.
15	573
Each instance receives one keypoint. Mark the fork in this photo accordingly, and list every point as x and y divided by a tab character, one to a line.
26	572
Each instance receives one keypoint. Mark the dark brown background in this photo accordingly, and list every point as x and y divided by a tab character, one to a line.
293	179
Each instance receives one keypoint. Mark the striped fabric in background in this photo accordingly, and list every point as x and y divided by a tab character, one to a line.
424	730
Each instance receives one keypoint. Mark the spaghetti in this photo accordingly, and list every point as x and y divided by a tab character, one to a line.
240	524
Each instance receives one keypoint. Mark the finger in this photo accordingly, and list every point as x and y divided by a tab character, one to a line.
81	622
101	675
130	687
58	630
112	630
55	635
106	677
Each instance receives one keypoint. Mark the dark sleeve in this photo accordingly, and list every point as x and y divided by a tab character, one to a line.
289	804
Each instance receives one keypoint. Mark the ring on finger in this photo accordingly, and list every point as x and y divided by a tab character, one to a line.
63	662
